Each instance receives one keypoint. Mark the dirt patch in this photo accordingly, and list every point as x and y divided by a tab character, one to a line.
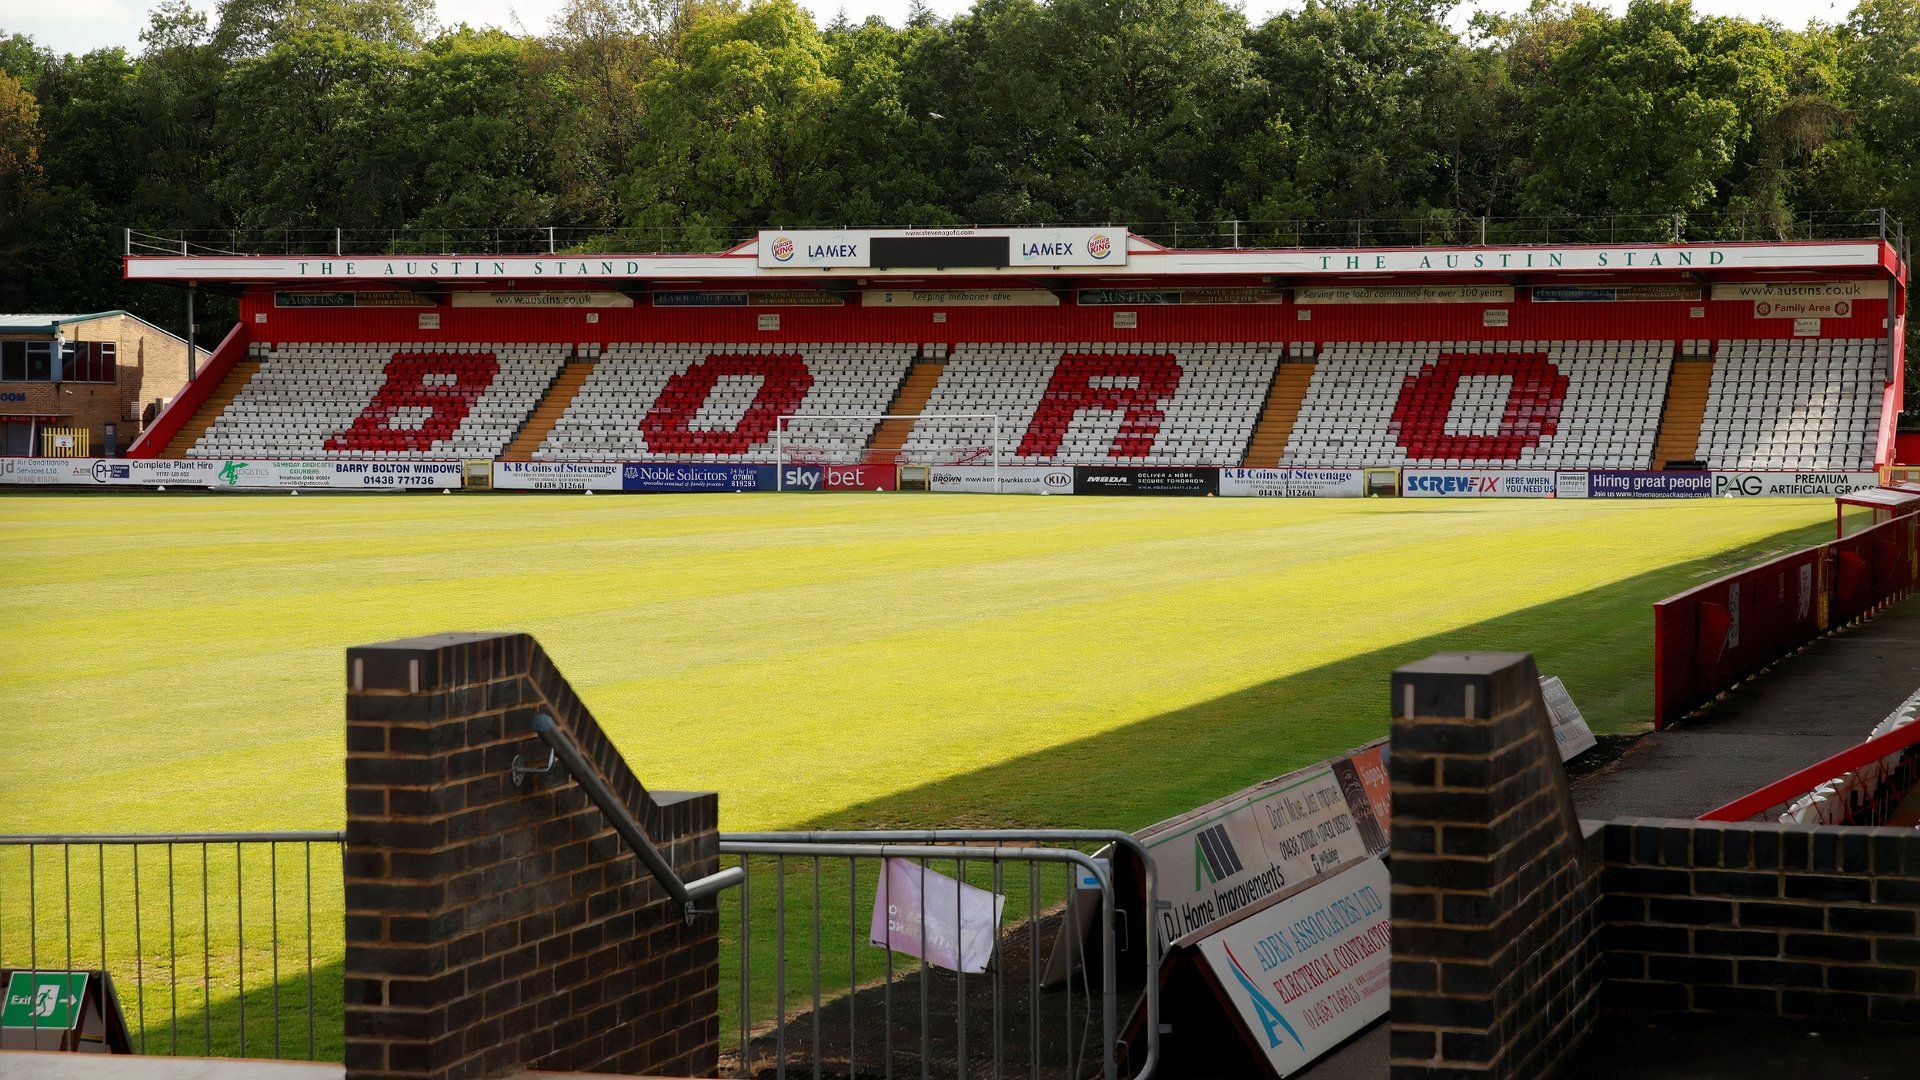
1610	749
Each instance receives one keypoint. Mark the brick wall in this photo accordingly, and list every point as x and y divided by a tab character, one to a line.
151	365
1514	924
490	927
1766	920
1495	886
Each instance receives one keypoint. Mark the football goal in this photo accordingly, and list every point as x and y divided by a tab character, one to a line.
913	441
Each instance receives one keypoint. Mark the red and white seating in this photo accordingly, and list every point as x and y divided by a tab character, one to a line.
1182	403
391	400
1523	404
691	402
1805	404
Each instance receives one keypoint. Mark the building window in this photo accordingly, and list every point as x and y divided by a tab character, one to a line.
87	361
13	361
39	361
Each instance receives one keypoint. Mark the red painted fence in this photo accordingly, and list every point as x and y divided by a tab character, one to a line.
1896	746
1711	637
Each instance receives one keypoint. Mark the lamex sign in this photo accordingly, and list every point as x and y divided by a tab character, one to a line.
1470	483
1639	484
675	476
783	249
1792	484
557	476
1310	971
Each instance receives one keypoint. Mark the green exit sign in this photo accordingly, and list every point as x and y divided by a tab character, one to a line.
44	999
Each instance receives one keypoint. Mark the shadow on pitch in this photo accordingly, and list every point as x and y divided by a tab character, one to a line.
1599	642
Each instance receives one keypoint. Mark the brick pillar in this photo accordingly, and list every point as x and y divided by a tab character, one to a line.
1495	887
493	928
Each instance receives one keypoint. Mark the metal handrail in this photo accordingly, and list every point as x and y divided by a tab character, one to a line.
684	893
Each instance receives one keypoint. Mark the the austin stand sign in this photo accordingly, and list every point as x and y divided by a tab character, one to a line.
62	1010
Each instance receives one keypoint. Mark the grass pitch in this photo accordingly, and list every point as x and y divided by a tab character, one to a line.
175	661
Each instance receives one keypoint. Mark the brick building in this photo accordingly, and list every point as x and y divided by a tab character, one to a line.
105	374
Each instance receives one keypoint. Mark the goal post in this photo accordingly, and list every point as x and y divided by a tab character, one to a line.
956	439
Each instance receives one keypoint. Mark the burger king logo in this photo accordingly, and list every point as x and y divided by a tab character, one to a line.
1099	246
783	248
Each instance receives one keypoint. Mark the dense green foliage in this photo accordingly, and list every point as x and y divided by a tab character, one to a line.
701	117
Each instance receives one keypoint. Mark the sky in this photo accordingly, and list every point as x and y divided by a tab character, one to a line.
80	25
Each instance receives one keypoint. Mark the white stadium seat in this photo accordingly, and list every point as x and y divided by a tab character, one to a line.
709	411
1178	403
1807	404
463	400
1607	415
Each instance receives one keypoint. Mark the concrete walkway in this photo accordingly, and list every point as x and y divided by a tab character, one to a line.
1805	708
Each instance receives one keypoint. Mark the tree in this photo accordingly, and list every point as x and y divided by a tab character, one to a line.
249	29
311	137
1649	114
1369	111
479	128
1151	88
735	123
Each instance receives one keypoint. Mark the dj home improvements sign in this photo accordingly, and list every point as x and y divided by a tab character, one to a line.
1233	854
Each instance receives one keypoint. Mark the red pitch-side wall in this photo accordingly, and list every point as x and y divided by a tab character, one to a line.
1711	637
153	441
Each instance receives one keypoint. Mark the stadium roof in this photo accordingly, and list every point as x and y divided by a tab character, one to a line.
795	255
41	324
47	324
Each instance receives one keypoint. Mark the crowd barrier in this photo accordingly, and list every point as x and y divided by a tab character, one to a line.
1711	637
1011	479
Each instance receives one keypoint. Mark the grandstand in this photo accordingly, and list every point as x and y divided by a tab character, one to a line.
1776	359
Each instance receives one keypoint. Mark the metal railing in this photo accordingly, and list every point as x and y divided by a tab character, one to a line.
1440	228
210	938
684	893
879	1011
218	946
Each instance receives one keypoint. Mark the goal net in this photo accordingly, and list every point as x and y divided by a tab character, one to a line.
914	439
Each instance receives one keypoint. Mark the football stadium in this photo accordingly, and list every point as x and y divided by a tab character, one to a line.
1033	650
